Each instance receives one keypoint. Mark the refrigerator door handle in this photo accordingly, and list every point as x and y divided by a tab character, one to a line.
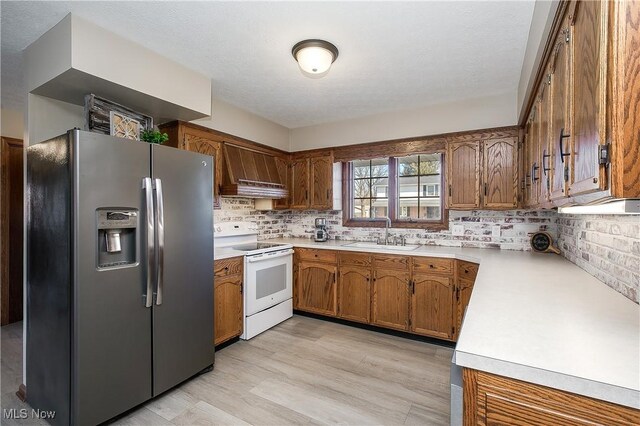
160	231
148	190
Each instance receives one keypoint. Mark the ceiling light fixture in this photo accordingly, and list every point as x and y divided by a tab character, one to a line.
314	57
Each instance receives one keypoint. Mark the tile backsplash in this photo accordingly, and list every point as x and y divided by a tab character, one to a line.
606	246
486	229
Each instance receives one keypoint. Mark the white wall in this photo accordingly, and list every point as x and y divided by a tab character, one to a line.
48	118
494	111
543	14
238	122
12	123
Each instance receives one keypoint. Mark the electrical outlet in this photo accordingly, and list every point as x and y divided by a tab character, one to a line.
495	231
457	230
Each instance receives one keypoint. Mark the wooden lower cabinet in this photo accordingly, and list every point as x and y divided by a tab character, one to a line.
433	306
390	299
354	293
495	400
416	294
317	288
228	299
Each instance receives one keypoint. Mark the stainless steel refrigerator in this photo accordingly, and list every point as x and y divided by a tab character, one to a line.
119	273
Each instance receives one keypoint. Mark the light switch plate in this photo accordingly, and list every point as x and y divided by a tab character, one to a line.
495	231
457	230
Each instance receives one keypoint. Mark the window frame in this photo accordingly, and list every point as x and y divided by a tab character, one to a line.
393	200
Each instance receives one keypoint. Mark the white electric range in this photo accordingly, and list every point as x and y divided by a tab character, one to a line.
268	275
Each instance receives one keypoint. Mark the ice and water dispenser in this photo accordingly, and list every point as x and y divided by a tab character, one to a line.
117	235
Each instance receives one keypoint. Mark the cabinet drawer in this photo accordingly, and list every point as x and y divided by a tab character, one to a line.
320	255
467	270
355	259
231	266
384	261
433	265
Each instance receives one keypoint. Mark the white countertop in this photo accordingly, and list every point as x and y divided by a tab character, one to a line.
540	318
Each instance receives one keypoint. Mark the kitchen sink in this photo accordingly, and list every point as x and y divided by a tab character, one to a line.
375	246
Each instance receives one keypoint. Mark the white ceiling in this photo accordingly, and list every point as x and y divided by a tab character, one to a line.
393	55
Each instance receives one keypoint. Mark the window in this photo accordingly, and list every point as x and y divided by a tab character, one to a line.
370	188
405	189
419	172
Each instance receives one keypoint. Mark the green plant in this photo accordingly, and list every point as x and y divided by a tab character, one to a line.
154	136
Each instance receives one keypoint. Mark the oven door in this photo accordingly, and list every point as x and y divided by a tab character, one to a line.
269	280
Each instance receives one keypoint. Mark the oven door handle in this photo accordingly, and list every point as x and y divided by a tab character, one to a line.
261	257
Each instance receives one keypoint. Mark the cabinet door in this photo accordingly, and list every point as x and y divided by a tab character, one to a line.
588	35
529	161
463	167
283	170
228	308
300	184
544	150
560	126
317	288
432	306
321	183
463	294
390	299
500	173
354	295
203	145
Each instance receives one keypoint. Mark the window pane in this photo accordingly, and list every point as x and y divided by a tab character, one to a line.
430	164
380	167
379	207
361	208
408	208
361	168
408	166
433	213
430	208
361	188
408	186
430	185
380	188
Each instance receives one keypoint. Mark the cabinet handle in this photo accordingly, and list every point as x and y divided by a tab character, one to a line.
562	153
327	194
545	169
306	194
534	168
241	286
486	189
457	293
449	190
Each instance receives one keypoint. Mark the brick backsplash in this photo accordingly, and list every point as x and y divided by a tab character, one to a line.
515	226
606	246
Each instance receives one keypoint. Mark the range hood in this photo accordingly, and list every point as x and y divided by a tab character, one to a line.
251	174
626	206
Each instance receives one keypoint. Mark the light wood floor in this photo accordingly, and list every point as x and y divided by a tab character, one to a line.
304	371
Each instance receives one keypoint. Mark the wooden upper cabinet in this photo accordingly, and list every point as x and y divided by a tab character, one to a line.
228	308
300	183
282	165
354	293
560	126
463	169
317	288
589	64
433	306
390	299
500	173
203	145
321	183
